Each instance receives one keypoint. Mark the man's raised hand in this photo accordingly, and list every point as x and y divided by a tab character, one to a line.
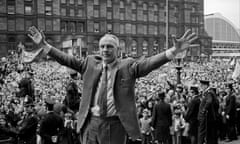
36	35
184	42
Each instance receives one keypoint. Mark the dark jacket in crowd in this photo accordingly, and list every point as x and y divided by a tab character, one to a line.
27	131
161	121
192	115
51	125
208	118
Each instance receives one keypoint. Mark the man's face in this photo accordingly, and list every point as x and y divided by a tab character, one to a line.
108	52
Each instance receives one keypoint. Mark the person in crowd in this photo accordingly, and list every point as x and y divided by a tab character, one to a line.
178	126
162	120
230	113
7	135
51	125
191	115
207	115
28	125
72	98
146	127
108	98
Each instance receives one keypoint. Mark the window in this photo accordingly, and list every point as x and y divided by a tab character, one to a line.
96	13
121	4
96	27
155	30
63	11
63	1
134	17
63	26
122	16
48	10
28	10
109	15
72	27
96	2
48	0
109	28
80	2
71	1
3	23
144	29
155	18
145	17
145	47
122	28
155	7
80	13
145	6
80	27
134	5
72	12
28	23
109	3
134	31
11	9
134	47
11	25
122	45
48	25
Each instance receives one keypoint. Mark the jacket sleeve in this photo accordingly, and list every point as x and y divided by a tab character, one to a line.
68	60
231	105
143	66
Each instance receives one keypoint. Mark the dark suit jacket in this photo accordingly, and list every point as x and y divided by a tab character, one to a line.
231	107
162	115
123	83
192	114
50	126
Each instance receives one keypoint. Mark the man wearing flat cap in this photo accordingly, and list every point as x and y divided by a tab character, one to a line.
207	115
51	125
28	126
108	98
192	114
230	112
162	120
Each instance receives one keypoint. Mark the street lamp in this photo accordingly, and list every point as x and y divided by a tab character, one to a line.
167	24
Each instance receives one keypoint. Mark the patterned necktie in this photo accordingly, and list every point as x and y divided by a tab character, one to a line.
102	99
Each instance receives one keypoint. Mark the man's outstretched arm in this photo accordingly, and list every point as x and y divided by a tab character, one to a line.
38	38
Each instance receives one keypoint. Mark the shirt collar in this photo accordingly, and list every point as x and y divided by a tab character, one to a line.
111	65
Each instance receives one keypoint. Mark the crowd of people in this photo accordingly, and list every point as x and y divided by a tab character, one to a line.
28	92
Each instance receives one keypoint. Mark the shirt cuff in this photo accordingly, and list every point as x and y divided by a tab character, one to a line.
46	48
170	54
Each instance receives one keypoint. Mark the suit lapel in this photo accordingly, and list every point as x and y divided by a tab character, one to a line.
114	73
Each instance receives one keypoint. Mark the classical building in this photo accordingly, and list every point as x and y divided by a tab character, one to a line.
226	37
139	24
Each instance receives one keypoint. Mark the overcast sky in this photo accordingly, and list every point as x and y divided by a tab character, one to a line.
228	8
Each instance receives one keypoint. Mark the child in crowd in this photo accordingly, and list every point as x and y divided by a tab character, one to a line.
178	126
145	127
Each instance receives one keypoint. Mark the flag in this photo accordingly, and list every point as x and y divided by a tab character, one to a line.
28	57
236	72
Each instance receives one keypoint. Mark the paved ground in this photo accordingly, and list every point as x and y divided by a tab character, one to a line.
233	142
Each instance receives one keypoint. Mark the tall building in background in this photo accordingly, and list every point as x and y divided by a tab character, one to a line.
76	25
226	38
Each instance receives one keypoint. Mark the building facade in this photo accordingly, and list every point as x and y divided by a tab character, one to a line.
226	38
77	25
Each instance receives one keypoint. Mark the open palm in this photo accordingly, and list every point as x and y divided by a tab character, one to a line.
36	35
185	41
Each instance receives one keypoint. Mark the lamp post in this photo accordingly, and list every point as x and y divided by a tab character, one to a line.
167	29
178	68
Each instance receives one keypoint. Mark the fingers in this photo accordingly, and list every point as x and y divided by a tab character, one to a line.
186	34
194	45
193	38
